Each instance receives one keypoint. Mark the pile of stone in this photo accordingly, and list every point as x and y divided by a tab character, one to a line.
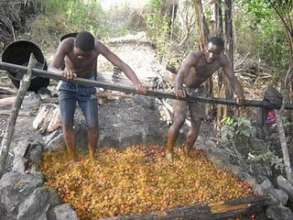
280	194
23	194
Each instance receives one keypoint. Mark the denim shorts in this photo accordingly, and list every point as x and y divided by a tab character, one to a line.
71	93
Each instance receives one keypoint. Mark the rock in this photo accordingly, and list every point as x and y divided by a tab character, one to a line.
210	144
285	185
279	212
35	206
55	121
266	185
45	115
49	137
123	122
21	148
19	164
15	187
54	199
281	196
56	142
41	115
34	153
31	102
3	212
218	157
251	181
62	212
277	195
258	190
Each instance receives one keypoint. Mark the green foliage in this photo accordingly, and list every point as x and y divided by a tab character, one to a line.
157	26
86	15
267	158
237	130
260	33
238	137
158	30
79	15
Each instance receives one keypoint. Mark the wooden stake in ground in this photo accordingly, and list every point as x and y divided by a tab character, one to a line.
283	142
284	146
6	141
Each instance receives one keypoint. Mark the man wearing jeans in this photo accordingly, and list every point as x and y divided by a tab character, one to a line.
77	57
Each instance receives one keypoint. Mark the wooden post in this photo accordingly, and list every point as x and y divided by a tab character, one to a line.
229	49
6	141
284	146
201	24
203	31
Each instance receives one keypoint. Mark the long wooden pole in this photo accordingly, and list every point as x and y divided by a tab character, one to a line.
6	141
126	89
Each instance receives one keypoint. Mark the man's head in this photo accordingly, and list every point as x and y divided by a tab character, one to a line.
84	44
214	48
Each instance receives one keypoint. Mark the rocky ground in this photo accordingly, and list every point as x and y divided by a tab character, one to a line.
124	120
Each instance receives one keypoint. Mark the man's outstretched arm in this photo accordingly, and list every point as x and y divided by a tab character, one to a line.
58	64
116	61
234	82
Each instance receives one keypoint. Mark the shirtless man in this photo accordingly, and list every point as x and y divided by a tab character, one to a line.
195	70
77	57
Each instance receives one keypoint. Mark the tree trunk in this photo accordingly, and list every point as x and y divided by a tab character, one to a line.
169	11
203	32
284	146
217	18
229	49
218	31
201	24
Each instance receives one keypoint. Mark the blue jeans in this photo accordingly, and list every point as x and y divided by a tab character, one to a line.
69	94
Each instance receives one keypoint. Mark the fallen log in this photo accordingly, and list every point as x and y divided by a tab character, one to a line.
6	91
6	103
216	211
8	112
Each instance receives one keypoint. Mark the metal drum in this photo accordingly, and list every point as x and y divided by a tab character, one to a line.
18	52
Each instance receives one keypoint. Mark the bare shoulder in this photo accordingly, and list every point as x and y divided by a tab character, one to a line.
224	60
193	57
66	45
100	47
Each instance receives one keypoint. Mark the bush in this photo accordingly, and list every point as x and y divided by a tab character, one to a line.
260	34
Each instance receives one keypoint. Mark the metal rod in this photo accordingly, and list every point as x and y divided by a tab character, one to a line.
126	89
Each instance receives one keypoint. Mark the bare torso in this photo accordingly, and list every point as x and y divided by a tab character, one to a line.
84	68
200	72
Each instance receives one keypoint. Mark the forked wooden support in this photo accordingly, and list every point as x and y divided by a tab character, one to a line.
6	141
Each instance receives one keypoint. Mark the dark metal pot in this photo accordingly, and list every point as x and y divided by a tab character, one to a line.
18	52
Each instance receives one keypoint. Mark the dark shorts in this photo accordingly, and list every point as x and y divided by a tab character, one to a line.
196	109
69	94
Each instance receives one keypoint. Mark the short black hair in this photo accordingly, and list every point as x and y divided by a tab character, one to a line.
218	41
85	41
